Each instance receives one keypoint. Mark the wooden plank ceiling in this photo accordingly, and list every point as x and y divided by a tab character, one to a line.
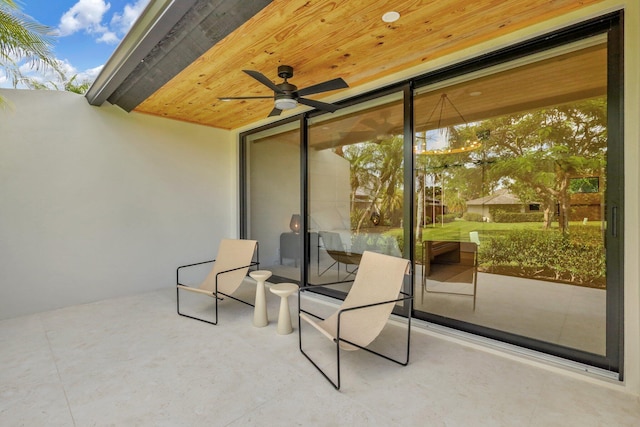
323	39
563	78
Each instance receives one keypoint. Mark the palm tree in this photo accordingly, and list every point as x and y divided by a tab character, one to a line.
377	169
391	169
22	40
65	83
360	156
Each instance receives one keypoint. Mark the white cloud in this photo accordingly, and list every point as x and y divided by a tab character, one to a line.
41	75
122	22
85	15
66	67
90	16
69	71
48	74
25	67
108	37
90	74
50	78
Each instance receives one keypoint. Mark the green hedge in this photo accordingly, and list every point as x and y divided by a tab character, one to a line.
472	216
511	217
447	218
577	257
387	243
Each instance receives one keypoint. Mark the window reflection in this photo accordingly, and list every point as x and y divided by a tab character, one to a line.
356	187
510	187
273	181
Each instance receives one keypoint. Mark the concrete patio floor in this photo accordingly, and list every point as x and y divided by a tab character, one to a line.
134	361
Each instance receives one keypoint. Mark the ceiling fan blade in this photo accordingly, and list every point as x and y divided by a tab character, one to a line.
231	98
275	112
324	87
318	104
264	80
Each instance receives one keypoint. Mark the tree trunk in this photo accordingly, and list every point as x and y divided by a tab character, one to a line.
564	201
367	212
547	218
547	204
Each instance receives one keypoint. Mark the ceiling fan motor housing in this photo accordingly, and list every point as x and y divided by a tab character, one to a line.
285	71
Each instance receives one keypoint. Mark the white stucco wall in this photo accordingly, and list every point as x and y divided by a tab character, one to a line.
329	190
632	193
98	203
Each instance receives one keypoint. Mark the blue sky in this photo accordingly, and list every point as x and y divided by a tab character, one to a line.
86	31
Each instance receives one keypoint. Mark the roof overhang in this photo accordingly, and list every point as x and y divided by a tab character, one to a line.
167	37
181	56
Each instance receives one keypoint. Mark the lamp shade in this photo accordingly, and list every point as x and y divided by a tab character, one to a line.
294	224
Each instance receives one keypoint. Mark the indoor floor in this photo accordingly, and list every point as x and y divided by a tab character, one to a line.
133	361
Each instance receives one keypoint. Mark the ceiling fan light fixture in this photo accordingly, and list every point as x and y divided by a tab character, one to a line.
285	104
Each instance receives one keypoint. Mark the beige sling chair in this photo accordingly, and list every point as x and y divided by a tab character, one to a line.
366	309
230	267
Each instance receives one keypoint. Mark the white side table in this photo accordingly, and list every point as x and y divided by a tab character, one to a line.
283	290
260	310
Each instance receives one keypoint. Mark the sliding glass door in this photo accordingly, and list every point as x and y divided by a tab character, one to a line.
501	178
356	187
272	199
511	180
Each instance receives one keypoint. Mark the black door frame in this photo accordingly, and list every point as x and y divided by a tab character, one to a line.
611	24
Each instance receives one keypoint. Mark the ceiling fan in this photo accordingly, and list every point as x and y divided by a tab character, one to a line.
287	95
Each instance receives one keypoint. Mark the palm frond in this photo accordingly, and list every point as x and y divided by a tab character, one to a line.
23	41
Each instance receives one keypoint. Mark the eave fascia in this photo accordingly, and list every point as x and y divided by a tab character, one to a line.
158	18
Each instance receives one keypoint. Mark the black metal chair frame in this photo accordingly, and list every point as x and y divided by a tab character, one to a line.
338	339
215	294
344	257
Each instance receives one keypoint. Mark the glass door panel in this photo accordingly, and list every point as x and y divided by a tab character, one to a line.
273	199
356	187
511	184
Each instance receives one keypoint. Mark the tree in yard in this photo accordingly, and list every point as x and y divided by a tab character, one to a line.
376	169
454	175
391	177
360	157
75	86
540	151
22	41
64	83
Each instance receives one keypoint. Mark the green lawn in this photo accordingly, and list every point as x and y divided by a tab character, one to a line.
458	231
